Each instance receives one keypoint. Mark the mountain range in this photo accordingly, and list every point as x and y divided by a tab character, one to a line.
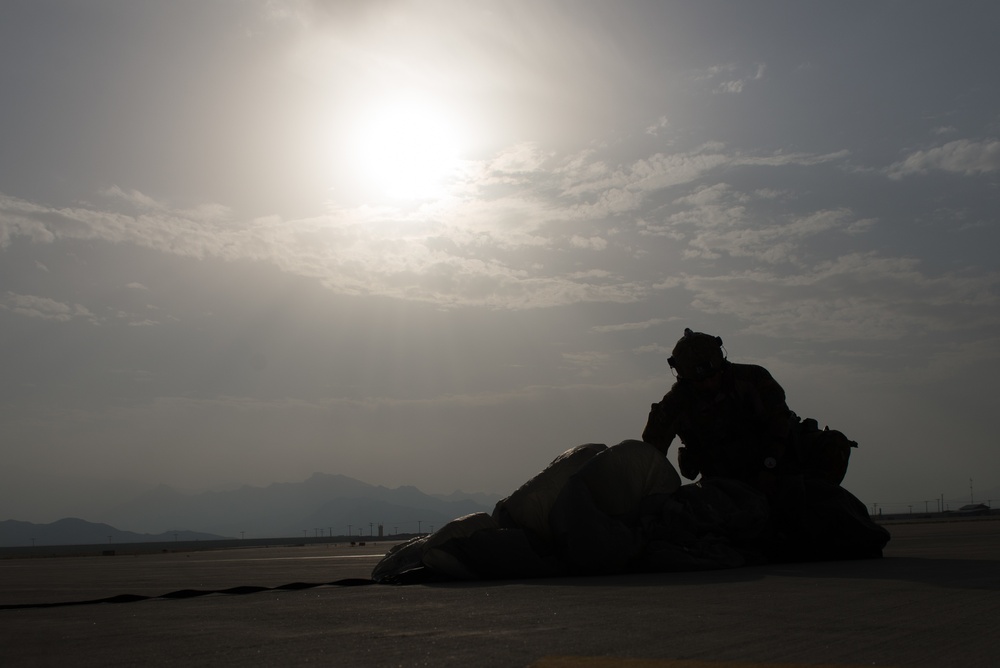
74	531
323	504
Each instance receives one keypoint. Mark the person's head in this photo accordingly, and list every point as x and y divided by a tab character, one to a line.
697	356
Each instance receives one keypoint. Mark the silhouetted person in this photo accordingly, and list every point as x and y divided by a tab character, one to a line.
734	424
731	418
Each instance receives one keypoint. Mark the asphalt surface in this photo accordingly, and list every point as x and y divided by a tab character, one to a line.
934	600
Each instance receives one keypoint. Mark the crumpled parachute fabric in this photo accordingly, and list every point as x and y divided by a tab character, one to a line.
599	510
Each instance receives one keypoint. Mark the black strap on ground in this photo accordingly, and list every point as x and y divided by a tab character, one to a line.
192	593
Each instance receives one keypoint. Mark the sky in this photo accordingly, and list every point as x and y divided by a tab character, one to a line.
439	243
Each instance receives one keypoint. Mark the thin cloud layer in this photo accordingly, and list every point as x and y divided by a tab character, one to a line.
479	247
47	309
959	157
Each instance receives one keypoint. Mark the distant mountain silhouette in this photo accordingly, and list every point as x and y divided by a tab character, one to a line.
74	531
323	502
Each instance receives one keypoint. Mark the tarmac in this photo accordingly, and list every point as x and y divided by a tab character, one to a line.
931	601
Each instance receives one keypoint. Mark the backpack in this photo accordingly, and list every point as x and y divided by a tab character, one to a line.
821	454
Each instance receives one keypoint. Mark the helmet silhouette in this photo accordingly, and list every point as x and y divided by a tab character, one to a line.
697	356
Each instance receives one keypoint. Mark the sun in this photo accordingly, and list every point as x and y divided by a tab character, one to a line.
408	150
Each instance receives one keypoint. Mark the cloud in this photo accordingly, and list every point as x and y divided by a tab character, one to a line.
516	162
429	254
858	296
653	349
628	326
717	220
20	218
661	123
526	229
666	170
586	363
959	157
734	85
45	308
480	246
591	243
139	202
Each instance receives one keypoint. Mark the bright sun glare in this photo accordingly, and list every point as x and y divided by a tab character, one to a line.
408	150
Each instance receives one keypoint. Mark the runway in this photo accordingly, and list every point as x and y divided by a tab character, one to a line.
934	600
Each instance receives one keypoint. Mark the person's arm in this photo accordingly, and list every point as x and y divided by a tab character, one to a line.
661	424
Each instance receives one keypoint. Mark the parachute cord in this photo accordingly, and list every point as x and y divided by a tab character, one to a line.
192	593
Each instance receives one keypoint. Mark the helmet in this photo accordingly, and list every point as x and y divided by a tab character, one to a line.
697	356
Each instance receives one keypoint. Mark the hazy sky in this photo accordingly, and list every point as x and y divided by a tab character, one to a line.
438	243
